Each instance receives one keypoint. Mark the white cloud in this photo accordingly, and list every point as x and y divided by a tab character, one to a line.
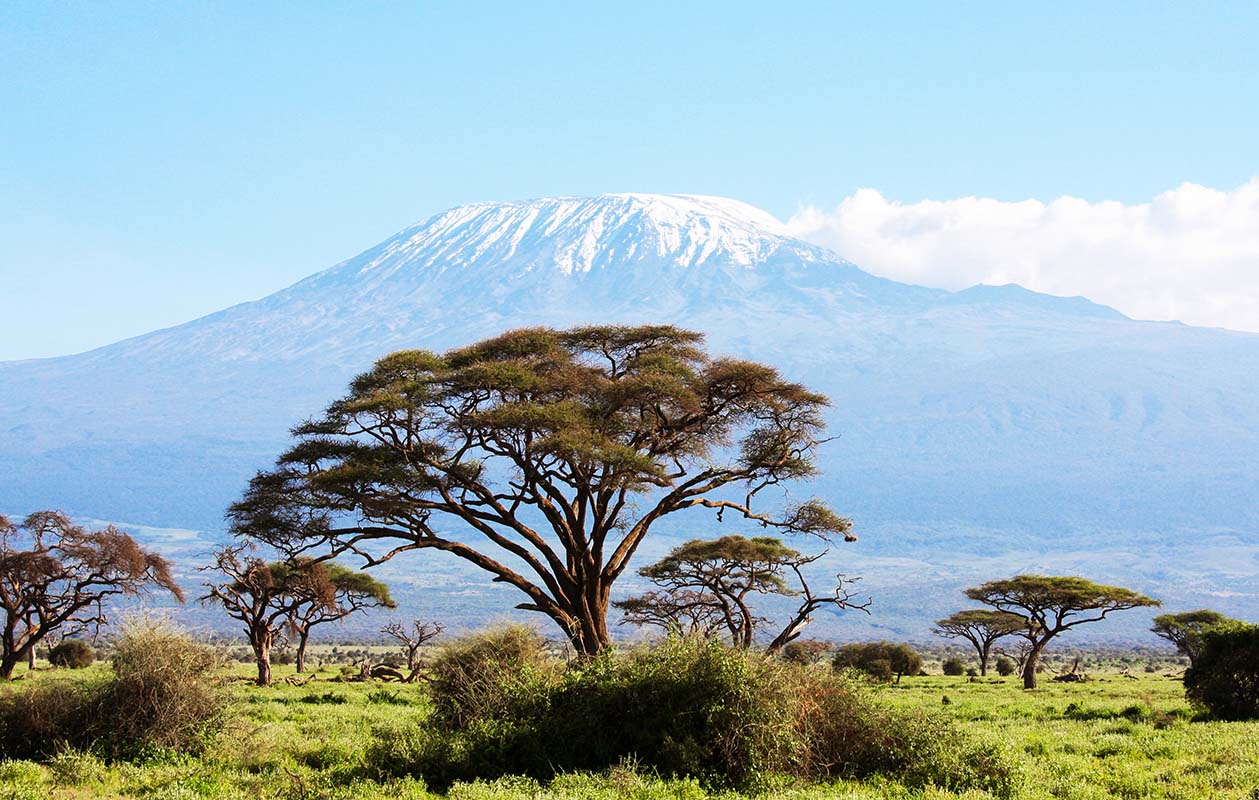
1191	254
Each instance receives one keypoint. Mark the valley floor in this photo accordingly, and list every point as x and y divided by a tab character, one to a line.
1114	736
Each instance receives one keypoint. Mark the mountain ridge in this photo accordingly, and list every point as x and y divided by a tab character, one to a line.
990	408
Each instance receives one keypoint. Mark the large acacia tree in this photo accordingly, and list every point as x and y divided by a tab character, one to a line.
543	457
58	576
1053	604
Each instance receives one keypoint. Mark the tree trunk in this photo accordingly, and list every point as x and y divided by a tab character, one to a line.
590	625
1029	667
30	659
301	650
983	661
7	664
262	652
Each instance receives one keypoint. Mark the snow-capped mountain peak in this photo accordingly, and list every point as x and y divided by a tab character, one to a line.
575	235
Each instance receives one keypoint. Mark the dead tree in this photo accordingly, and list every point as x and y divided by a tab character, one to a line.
412	639
56	576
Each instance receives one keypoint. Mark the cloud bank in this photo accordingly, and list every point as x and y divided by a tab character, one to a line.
1190	254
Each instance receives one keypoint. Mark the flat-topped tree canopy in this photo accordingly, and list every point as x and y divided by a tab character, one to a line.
1052	604
981	627
556	449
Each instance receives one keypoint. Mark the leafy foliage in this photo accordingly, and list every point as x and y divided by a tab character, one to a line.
1224	678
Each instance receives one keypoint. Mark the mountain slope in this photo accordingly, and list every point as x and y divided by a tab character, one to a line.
983	427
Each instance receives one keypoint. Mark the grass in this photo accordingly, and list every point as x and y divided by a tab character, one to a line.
1111	737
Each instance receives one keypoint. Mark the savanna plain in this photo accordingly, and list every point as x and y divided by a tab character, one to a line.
1122	733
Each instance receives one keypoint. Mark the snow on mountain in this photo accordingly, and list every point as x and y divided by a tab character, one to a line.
981	431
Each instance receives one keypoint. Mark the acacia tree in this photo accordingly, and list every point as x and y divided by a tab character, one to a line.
543	457
1186	628
267	598
309	581
412	638
57	576
982	628
1053	604
708	585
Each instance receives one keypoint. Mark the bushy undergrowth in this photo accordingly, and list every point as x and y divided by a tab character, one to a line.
684	709
159	694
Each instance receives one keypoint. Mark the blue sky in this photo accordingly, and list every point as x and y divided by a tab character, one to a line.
161	161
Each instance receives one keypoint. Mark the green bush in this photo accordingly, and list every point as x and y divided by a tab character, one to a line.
684	709
475	677
953	666
1224	678
1006	666
72	653
881	661
159	696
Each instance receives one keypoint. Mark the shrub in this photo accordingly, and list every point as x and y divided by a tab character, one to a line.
1224	678
1006	666
806	651
474	677
685	708
879	660
159	695
72	653
953	666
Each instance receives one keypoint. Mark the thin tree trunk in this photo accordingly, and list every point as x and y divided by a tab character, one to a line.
301	650
983	661
30	659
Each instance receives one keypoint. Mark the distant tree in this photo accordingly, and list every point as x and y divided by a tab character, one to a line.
1186	628
807	651
268	597
1053	604
709	585
72	653
981	627
555	452
58	576
1224	677
351	592
1006	666
880	660
412	638
953	666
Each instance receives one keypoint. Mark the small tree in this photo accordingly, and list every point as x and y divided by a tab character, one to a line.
265	597
706	586
412	638
1224	677
351	592
981	627
1186	628
544	458
879	660
1006	666
1053	604
953	666
58	576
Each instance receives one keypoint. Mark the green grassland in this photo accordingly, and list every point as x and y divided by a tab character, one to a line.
1113	736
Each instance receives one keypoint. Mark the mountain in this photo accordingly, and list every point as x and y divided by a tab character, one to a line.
981	432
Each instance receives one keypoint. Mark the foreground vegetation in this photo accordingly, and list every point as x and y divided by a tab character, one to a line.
1113	736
